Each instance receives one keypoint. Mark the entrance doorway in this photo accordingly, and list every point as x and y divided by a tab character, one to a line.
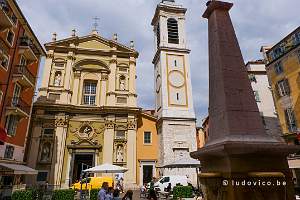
81	162
147	173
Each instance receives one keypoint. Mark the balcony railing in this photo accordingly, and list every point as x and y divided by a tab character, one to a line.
21	70
18	103
26	48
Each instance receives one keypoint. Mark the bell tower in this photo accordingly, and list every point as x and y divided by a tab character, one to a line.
173	89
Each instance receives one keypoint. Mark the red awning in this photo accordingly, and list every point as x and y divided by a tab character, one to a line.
3	135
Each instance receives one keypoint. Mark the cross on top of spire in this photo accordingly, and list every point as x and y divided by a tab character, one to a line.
95	24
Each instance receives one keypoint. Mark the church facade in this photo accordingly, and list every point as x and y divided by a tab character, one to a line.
86	112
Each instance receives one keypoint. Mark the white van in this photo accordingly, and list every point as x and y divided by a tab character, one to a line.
164	181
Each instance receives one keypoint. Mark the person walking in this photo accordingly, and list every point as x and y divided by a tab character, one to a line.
109	193
152	193
103	191
128	195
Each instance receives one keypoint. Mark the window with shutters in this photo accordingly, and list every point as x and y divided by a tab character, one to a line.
290	119
9	152
278	68
283	88
173	31
252	78
256	95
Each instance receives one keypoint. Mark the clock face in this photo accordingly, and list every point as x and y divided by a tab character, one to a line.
158	83
176	79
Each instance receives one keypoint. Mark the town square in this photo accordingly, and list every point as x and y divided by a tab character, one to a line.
139	99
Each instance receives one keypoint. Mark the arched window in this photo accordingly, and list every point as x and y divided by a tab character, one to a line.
173	31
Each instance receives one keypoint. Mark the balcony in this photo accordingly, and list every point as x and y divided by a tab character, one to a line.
23	76
5	21
16	106
25	48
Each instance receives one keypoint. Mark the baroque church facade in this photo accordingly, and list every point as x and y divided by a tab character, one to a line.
86	112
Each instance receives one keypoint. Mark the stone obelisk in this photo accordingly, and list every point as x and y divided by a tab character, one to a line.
238	150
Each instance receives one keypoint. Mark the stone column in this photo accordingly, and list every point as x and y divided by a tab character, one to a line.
46	73
112	81
108	145
67	182
61	125
130	175
103	91
76	87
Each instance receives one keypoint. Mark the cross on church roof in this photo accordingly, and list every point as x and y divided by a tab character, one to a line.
95	24
168	1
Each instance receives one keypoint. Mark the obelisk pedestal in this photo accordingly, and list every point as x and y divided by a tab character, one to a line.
240	161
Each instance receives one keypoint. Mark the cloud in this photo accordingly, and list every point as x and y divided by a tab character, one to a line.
257	23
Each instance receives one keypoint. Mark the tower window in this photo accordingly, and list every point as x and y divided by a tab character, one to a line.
173	31
175	63
177	96
158	35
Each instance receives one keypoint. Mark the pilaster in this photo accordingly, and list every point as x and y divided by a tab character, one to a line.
104	78
46	73
112	81
132	81
61	124
76	87
108	140
130	175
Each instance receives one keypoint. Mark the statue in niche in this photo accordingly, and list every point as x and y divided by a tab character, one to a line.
57	79
122	83
45	152
120	153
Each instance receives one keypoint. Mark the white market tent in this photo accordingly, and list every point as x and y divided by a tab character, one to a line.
106	168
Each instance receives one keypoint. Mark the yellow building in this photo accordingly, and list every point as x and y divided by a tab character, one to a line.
147	147
283	70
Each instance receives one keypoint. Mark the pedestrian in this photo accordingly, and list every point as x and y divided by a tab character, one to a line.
128	195
109	193
116	194
152	193
121	185
103	191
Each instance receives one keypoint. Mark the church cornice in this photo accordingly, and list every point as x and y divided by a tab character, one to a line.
72	109
71	44
169	50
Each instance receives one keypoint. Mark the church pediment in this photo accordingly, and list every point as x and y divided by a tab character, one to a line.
90	43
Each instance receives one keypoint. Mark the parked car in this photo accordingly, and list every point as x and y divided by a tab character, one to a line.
92	183
164	181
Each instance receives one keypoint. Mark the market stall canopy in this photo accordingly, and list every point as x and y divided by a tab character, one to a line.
3	135
106	168
16	169
183	163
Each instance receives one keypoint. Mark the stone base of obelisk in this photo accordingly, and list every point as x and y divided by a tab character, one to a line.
246	171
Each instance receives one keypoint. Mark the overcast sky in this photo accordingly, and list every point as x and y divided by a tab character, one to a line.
257	23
